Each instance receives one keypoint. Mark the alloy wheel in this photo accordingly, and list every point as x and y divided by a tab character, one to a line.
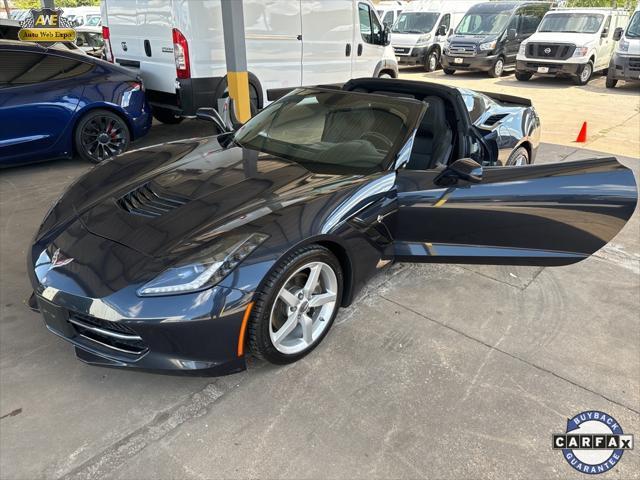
499	67
103	137
586	73
303	308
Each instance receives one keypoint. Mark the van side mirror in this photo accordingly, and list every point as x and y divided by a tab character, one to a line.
211	115
442	30
605	32
385	36
617	33
465	170
512	34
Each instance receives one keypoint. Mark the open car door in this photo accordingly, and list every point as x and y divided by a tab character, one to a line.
553	214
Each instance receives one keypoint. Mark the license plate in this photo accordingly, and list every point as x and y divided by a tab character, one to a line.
543	69
55	318
458	60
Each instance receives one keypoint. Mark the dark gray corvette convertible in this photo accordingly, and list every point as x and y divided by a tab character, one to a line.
186	256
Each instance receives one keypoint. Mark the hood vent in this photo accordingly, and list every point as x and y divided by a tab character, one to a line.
493	119
147	202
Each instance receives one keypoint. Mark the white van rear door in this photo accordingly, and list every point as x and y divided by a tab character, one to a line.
327	41
142	39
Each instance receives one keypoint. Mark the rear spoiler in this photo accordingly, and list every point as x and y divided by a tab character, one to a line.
501	97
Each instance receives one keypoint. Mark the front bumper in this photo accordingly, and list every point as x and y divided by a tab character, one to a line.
549	68
625	67
411	55
477	63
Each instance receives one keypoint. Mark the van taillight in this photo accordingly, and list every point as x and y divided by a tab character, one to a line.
181	54
106	36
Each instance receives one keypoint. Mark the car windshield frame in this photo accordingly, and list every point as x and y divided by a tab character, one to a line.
416	21
568	16
502	20
323	109
633	29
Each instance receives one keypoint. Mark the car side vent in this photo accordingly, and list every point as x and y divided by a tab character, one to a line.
148	202
493	119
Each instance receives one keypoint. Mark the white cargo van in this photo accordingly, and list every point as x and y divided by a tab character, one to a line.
178	48
420	33
389	11
625	64
572	42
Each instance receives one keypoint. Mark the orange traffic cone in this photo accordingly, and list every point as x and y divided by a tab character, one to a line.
582	136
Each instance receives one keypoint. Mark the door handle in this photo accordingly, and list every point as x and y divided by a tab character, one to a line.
347	50
359	49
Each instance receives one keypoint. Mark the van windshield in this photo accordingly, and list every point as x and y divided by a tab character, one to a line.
633	30
332	131
415	22
483	23
571	22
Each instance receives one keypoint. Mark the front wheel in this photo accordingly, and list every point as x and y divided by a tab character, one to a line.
519	157
448	71
524	76
611	82
497	69
296	305
585	75
432	61
101	135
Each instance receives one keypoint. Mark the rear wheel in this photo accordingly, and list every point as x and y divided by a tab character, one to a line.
167	116
432	61
524	76
101	135
585	75
448	71
497	69
519	157
296	305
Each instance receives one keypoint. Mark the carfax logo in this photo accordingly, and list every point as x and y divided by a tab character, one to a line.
593	443
46	26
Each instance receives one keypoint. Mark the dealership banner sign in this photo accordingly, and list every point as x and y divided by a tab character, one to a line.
46	26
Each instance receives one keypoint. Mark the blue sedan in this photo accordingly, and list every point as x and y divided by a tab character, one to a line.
55	103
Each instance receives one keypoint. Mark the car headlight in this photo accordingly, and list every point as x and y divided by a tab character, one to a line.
522	49
207	269
423	39
581	52
488	46
623	46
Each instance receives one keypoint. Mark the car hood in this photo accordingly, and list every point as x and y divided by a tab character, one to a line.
474	39
199	192
578	39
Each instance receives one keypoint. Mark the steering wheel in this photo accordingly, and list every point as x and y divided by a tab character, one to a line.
379	141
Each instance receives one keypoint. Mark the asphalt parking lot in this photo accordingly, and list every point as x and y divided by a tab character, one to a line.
435	371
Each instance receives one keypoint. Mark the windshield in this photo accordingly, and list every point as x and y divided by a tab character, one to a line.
332	131
571	22
93	21
415	22
633	30
483	23
89	39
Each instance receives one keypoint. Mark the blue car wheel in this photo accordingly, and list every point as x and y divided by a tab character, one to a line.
101	135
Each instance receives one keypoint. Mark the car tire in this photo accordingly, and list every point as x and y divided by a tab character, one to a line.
497	69
448	71
164	115
281	302
432	61
585	74
101	135
611	82
519	157
524	76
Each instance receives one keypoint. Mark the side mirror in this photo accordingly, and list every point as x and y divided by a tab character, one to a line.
512	34
386	35
605	32
450	31
617	33
211	115
465	169
442	30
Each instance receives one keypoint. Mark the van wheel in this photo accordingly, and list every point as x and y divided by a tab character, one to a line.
432	61
524	76
448	71
497	69
585	75
167	116
101	135
611	82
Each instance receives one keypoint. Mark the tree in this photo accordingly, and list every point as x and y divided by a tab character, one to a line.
59	3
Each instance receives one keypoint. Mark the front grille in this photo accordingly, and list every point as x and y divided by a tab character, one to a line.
493	119
147	202
550	50
462	49
634	64
113	335
548	65
401	50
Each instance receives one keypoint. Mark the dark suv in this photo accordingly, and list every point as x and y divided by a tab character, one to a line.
489	35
